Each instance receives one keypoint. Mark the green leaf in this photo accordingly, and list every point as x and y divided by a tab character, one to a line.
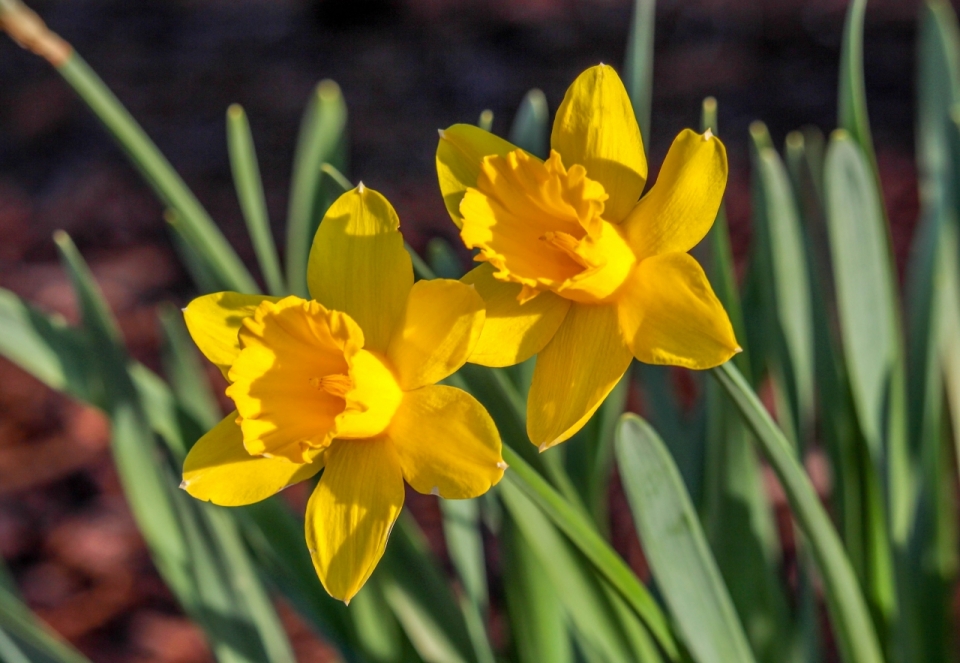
485	121
197	551
421	599
736	513
863	273
852	94
24	639
780	243
197	226
582	534
676	547
578	590
538	625
638	68
461	531
184	368
246	178
531	125
322	140
45	347
852	624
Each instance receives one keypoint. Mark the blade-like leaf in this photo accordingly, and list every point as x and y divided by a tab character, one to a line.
322	140
638	68
538	623
676	547
849	614
200	230
531	125
246	178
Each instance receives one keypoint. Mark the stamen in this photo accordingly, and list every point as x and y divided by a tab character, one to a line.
336	385
566	243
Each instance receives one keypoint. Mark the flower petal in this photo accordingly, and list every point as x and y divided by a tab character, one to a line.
214	322
669	314
596	128
218	469
459	153
350	514
358	264
288	349
512	332
680	208
447	443
440	327
574	373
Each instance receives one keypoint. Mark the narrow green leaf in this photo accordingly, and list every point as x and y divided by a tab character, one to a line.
24	639
421	599
852	95
45	347
322	140
736	512
676	547
583	535
246	178
852	624
579	591
531	125
864	280
485	121
443	260
461	530
787	293
203	234
182	364
638	68
538	625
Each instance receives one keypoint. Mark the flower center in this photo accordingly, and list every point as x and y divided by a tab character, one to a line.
540	225
302	378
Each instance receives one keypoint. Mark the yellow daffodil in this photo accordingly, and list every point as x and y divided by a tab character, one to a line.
345	383
578	269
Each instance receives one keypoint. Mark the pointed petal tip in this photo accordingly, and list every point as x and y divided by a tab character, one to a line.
543	447
360	187
502	465
442	133
435	491
184	484
737	350
707	135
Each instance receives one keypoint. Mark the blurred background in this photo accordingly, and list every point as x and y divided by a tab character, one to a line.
406	68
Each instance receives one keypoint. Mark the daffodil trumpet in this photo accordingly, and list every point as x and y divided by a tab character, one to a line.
346	383
576	267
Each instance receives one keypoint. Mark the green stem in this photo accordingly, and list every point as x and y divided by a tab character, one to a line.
848	610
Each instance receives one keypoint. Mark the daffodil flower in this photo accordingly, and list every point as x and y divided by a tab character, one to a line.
345	383
578	269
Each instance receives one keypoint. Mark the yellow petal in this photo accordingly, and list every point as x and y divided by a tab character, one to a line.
596	128
447	443
358	264
350	514
670	315
282	382
214	321
574	373
218	469
459	153
512	332
440	327
680	208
